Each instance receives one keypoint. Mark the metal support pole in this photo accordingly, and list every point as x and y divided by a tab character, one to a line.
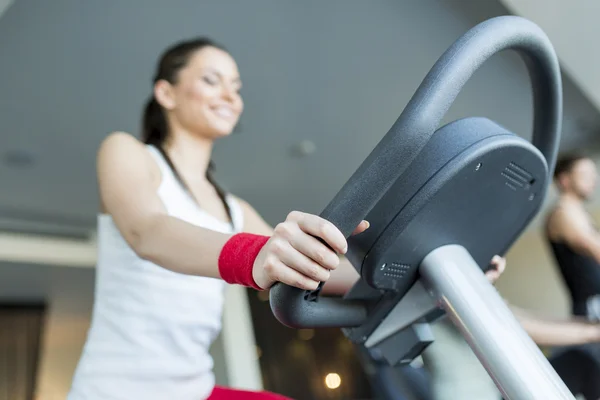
512	359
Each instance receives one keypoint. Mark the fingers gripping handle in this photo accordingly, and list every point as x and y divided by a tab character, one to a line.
298	308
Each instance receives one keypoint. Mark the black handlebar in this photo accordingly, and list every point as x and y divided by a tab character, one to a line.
298	312
411	132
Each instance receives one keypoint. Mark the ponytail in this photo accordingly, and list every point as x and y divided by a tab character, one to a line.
154	124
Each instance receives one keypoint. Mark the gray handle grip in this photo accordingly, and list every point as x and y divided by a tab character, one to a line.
418	122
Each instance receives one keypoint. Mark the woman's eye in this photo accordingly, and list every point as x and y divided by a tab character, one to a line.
210	80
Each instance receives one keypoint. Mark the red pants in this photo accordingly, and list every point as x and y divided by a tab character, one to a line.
220	393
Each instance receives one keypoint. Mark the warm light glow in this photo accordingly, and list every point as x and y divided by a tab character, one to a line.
258	352
263	295
333	381
306	334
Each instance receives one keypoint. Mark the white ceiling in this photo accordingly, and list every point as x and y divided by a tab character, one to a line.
573	28
337	73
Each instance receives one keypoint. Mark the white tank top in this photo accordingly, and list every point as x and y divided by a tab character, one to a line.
151	328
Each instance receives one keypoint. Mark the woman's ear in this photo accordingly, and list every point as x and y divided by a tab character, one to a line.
563	181
164	95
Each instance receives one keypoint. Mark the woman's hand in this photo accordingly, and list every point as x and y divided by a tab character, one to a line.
294	255
499	264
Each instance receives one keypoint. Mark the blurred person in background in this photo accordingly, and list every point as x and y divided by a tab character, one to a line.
572	233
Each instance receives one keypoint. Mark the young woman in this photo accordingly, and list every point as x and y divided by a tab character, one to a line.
170	239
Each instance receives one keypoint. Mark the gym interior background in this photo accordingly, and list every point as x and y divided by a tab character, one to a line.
323	80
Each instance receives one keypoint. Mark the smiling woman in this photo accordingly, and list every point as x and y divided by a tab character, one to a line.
170	238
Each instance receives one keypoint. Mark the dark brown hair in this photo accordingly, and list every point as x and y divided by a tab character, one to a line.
566	162
155	128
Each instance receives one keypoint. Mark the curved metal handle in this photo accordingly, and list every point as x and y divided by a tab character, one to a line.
424	113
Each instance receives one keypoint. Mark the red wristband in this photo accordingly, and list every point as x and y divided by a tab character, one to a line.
237	258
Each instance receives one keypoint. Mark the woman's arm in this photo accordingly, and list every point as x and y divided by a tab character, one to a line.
557	333
547	332
128	180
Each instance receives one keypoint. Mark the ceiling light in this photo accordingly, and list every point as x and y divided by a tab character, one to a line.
18	159
305	148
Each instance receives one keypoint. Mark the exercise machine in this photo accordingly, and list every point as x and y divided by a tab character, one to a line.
402	382
441	203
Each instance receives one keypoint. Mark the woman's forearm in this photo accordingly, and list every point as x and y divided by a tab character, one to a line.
180	246
557	333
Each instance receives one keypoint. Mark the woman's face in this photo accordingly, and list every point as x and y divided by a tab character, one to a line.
205	98
582	178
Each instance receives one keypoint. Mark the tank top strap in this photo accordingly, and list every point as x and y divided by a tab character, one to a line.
237	214
165	170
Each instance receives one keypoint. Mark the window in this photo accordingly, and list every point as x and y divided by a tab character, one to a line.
20	333
305	364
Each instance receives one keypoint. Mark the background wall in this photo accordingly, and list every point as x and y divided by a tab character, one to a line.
336	72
